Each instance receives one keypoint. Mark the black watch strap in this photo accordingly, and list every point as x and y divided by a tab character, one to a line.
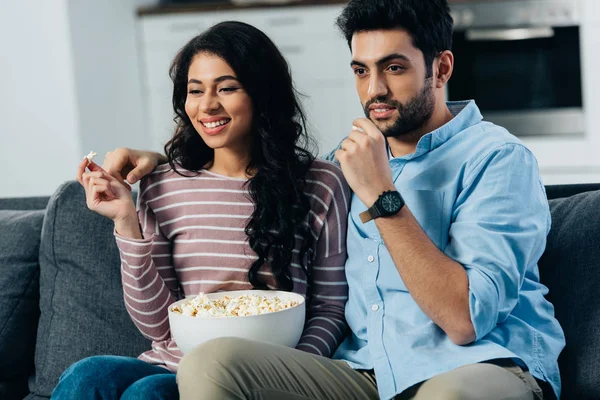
371	213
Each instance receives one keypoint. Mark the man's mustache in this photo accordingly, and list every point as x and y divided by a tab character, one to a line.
388	102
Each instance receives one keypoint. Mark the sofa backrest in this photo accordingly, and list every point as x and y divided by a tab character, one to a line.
570	268
24	203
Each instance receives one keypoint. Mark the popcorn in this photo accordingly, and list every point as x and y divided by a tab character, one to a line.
90	156
242	306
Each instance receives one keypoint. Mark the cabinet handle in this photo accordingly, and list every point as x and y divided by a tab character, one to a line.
284	21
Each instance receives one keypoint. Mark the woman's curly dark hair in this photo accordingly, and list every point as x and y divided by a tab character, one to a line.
280	158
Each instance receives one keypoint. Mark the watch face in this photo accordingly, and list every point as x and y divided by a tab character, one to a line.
391	202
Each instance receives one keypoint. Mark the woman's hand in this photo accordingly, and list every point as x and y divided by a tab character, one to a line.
107	196
131	164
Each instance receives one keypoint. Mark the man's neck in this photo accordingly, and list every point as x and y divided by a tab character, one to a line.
407	143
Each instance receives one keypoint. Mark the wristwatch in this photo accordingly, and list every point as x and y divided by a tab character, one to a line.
388	203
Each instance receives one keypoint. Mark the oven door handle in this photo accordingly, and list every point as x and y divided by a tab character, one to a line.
509	34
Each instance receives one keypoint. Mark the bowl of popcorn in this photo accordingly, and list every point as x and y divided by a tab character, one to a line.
269	316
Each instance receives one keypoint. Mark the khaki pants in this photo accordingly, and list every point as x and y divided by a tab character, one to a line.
229	368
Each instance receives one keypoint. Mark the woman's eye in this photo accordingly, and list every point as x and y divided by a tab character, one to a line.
194	91
229	89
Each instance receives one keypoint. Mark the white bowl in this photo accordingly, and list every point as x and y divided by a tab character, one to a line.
281	327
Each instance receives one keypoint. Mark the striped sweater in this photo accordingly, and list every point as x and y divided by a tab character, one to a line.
194	241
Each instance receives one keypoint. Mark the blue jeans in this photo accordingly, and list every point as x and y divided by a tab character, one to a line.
113	377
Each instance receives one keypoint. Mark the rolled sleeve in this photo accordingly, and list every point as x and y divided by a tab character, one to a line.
500	222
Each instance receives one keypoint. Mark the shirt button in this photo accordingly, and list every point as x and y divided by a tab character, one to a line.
371	258
374	307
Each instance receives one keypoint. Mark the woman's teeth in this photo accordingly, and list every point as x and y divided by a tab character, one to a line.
215	124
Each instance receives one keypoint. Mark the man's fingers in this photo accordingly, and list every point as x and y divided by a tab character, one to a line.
368	127
113	169
360	138
117	164
143	168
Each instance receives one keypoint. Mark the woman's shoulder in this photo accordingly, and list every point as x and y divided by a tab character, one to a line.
325	170
325	176
164	179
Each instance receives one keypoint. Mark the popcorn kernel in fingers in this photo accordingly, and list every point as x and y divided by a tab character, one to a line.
91	156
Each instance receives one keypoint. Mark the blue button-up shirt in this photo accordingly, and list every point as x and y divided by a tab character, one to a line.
475	190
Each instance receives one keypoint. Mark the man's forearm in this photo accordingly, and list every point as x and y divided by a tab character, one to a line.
438	284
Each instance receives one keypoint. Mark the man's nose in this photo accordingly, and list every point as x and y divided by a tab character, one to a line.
377	86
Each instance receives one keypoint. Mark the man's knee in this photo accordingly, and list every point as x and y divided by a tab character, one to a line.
441	391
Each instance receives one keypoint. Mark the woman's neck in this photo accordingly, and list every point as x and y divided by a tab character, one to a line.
230	163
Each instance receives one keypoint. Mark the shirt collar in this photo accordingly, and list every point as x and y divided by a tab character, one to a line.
466	114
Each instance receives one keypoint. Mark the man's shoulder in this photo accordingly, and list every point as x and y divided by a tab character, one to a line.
485	139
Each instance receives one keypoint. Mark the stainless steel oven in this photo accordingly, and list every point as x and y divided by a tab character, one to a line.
521	62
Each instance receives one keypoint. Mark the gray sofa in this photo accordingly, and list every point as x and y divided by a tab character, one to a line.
61	299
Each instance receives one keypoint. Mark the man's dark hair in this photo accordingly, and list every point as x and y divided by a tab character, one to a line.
427	21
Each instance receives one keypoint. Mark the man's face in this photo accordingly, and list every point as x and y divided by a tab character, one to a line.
392	82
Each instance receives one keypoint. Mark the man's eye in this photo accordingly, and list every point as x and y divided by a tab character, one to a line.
396	68
360	71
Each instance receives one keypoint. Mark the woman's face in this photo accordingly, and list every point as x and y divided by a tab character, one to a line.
217	104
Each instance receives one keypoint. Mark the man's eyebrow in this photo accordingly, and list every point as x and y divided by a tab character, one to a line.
383	60
217	80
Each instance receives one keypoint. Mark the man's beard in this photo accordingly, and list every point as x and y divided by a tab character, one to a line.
413	115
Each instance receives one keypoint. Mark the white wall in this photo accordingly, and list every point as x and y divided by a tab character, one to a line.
39	145
69	83
107	78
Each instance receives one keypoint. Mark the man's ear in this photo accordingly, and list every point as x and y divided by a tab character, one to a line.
443	65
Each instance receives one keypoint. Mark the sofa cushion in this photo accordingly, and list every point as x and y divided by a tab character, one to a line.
570	267
19	298
81	299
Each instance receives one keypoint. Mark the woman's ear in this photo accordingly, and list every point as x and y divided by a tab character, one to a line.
443	66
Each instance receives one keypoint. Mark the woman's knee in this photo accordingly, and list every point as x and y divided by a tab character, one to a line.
155	387
92	375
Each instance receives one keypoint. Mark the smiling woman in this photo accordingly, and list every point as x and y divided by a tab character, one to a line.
217	105
243	204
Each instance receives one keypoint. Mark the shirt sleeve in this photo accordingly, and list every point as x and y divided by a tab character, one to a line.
326	325
149	281
331	155
499	229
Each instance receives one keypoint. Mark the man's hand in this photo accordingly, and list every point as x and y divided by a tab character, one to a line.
131	164
364	162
